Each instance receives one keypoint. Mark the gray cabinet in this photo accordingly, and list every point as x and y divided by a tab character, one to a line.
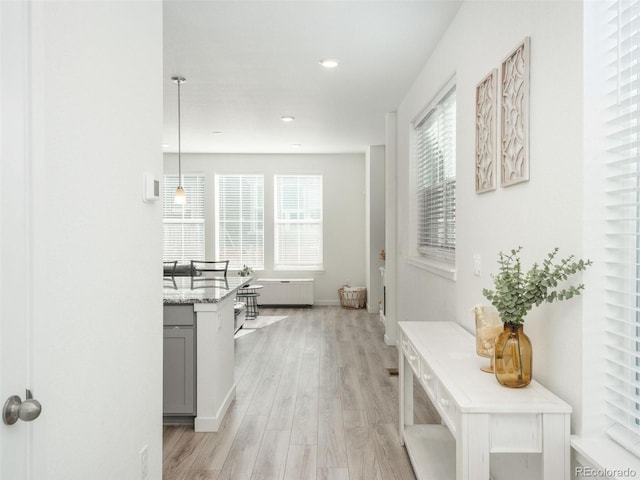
179	360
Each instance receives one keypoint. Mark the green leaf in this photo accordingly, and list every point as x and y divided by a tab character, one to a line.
516	291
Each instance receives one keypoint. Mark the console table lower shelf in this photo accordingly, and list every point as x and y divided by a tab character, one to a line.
432	451
488	432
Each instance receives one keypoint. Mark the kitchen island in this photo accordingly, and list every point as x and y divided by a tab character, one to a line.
199	349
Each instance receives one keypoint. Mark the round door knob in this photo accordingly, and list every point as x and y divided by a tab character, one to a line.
29	410
15	408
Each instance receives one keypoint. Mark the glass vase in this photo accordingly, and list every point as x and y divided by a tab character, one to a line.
488	327
513	357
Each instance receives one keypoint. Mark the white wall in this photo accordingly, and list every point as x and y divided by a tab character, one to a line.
391	233
97	126
541	214
343	209
375	224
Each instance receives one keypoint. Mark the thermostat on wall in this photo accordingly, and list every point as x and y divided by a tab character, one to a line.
150	188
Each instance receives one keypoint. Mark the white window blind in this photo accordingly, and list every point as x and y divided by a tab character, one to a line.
240	220
183	225
436	179
620	25
298	222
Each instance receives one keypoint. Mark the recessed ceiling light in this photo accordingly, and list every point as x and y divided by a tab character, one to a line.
217	132
287	118
329	62
296	145
165	145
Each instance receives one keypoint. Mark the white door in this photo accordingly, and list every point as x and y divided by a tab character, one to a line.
15	233
80	291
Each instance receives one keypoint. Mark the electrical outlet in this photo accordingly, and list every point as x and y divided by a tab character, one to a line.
144	463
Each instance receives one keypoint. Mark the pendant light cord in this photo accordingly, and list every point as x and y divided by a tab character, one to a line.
179	146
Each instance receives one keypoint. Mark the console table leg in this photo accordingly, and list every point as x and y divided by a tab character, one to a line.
472	453
556	434
406	394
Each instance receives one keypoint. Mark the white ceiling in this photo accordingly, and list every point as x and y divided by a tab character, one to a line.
247	63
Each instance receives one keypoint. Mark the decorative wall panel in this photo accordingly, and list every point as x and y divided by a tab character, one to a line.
486	133
514	156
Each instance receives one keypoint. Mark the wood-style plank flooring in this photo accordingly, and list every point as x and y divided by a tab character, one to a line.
314	401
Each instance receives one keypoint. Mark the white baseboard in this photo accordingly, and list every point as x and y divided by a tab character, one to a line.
212	424
326	302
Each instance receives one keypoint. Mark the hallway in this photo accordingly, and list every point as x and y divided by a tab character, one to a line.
314	400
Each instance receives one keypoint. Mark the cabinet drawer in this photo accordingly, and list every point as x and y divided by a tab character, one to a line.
447	408
428	379
411	355
178	315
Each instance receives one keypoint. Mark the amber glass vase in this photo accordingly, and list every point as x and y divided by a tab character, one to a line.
513	357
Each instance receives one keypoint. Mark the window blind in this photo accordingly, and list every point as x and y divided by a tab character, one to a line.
183	225
298	222
240	220
436	180
620	25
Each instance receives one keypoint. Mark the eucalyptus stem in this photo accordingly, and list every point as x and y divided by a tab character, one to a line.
516	292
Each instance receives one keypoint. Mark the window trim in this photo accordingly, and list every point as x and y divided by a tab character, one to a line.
232	266
297	268
622	318
169	220
442	269
592	443
431	261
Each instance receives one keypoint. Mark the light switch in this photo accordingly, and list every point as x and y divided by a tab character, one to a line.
477	264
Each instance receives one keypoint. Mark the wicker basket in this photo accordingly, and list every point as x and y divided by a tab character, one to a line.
353	298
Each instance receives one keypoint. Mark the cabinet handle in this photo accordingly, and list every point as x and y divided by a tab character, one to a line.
444	402
427	377
412	358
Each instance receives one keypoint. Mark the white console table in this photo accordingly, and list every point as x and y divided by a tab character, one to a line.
488	430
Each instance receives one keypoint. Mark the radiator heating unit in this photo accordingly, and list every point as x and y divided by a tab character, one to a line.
285	291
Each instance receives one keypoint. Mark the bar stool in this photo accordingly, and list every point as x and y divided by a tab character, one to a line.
249	295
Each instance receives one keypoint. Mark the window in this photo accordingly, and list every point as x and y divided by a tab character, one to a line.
240	220
183	225
620	25
435	136
298	222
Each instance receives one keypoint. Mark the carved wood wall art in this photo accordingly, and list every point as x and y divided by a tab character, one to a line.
486	132
514	154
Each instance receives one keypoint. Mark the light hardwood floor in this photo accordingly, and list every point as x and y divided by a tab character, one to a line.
314	401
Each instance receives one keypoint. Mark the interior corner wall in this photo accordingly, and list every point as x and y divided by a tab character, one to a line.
343	209
540	214
375	224
391	230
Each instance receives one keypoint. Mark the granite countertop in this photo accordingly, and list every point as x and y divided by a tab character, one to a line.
202	289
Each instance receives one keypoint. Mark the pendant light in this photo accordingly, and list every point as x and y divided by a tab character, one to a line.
180	196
